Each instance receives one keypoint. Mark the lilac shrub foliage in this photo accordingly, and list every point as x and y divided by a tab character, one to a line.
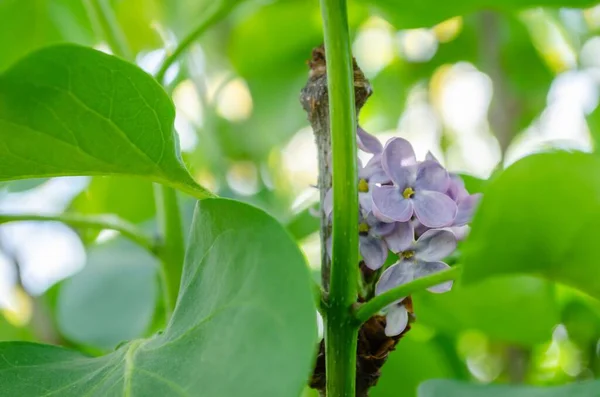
414	209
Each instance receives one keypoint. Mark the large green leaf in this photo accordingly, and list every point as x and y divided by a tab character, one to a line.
244	325
448	388
519	309
69	110
112	299
419	13
413	362
539	217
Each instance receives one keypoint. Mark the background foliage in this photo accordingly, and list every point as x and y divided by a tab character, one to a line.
482	87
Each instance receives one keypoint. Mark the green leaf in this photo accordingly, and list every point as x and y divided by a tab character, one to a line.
69	110
413	362
449	388
54	21
422	13
112	299
304	223
518	309
539	217
10	332
244	325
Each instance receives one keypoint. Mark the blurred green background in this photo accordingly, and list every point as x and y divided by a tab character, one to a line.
479	90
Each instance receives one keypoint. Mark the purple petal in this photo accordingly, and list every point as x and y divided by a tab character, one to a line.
432	176
401	238
396	320
390	203
373	251
419	227
456	188
397	155
435	244
379	176
434	209
366	201
378	227
395	275
461	232
422	269
380	216
400	151
367	142
466	208
375	162
430	157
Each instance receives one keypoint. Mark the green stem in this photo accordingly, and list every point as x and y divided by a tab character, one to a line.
217	12
372	307
173	247
341	334
91	221
105	21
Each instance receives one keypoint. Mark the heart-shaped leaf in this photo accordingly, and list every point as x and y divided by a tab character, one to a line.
449	388
244	325
539	217
69	110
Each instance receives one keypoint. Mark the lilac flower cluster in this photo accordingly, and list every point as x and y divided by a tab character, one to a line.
417	210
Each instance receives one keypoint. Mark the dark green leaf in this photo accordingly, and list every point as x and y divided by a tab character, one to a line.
539	217
69	110
448	388
112	299
244	324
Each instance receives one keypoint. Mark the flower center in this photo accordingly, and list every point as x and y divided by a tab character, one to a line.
408	193
363	228
406	254
363	185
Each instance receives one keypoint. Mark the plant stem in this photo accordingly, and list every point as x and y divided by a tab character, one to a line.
92	221
173	247
105	21
341	334
372	307
211	16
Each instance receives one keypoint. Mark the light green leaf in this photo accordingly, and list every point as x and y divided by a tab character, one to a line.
449	388
244	325
112	299
539	217
69	110
54	21
423	13
22	185
518	309
131	199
